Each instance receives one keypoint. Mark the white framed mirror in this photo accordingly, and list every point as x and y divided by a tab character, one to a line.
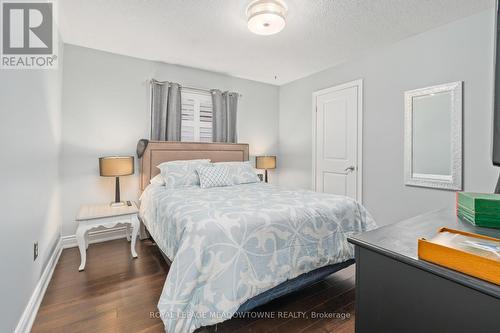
433	137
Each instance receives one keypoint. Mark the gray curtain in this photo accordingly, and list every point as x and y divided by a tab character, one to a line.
165	111
224	119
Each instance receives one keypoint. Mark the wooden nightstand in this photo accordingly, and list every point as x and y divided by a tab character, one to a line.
93	216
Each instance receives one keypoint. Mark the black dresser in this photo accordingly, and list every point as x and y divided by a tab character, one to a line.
396	292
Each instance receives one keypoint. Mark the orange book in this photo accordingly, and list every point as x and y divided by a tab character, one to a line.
465	252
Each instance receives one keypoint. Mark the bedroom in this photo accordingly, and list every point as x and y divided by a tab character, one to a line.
97	99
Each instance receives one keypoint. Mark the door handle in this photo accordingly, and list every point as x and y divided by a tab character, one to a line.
350	169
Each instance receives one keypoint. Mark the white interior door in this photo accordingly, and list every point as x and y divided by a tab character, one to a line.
337	141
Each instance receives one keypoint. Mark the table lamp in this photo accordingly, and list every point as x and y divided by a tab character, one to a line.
265	162
116	166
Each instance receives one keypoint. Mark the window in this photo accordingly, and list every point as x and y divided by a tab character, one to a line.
196	116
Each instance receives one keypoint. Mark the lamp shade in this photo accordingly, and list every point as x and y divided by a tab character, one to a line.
116	166
265	162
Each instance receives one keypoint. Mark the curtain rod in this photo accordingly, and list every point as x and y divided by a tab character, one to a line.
186	87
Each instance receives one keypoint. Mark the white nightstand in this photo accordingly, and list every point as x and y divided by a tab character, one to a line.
93	216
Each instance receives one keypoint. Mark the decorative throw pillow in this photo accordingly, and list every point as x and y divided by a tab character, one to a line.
214	176
181	173
241	172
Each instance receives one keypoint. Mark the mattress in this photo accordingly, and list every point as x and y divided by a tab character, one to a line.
229	244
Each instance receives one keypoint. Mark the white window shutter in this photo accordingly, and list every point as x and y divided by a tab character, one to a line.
197	113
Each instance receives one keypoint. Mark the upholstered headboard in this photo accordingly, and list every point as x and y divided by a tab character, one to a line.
158	152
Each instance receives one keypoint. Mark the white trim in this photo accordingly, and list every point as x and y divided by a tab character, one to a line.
359	158
28	317
447	178
96	236
197	91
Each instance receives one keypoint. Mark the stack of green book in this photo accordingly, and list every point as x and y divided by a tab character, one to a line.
480	209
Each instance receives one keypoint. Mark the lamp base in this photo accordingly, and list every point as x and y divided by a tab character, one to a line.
117	202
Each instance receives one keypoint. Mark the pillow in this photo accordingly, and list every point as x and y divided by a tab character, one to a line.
181	173
214	176
241	172
157	180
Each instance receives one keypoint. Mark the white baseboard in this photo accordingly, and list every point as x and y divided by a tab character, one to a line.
96	236
28	317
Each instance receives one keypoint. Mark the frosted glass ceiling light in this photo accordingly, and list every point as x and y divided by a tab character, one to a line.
266	17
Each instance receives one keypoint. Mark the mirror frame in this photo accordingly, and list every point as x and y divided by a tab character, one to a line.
453	182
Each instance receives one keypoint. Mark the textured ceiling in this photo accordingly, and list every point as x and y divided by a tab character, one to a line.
212	34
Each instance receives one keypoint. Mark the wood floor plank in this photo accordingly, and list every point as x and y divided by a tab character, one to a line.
295	302
332	324
331	305
301	308
117	293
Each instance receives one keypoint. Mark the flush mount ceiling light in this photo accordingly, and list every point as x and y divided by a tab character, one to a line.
266	17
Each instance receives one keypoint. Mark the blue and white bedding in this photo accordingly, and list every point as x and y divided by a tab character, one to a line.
229	244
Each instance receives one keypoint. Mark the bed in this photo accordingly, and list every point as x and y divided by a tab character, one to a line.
233	248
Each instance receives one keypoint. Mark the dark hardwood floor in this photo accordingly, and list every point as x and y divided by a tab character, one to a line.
116	293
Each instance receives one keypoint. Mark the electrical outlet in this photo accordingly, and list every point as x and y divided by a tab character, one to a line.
35	251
